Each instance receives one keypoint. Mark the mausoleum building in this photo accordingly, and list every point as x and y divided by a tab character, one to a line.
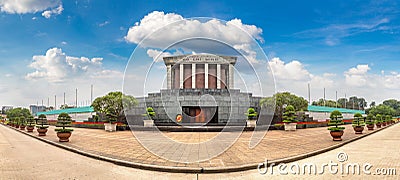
200	89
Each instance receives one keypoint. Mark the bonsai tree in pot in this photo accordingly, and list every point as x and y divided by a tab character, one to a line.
17	122
63	121
384	123
336	119
358	123
289	118
11	121
30	124
149	122
251	117
370	121
41	126
378	118
110	122
388	119
22	123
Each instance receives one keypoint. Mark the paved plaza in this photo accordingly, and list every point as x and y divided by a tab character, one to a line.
24	157
122	145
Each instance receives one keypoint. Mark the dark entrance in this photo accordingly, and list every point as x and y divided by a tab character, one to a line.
194	115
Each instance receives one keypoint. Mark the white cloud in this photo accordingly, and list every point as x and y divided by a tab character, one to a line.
48	7
56	66
233	32
293	70
357	76
229	32
323	81
158	55
47	14
104	23
248	52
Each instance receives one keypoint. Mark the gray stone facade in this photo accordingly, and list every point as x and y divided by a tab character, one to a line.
231	105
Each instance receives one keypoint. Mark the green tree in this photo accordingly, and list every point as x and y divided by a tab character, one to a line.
373	104
328	103
393	104
343	102
284	98
382	109
18	112
113	105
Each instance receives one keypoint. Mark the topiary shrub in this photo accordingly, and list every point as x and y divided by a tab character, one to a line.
150	112
63	121
251	114
379	118
289	115
42	122
388	118
370	119
358	120
336	119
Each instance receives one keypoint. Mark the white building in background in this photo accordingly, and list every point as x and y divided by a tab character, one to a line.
321	113
34	109
78	114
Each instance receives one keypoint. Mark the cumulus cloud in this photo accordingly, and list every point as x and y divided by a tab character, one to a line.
357	76
47	14
48	7
56	66
230	31
293	70
153	27
158	55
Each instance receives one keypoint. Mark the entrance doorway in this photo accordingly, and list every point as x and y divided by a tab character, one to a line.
198	116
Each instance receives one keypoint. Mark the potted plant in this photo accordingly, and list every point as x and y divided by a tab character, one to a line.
358	123
63	121
251	117
378	118
370	121
22	123
336	119
110	123
16	122
30	124
388	119
289	118
149	122
384	123
41	126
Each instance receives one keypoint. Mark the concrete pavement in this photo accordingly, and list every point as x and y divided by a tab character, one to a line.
380	150
276	145
22	157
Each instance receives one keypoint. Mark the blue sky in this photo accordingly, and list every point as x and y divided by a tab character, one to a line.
347	46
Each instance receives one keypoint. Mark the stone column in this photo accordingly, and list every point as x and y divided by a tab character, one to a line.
231	77
169	77
206	75
218	76
193	76
180	76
